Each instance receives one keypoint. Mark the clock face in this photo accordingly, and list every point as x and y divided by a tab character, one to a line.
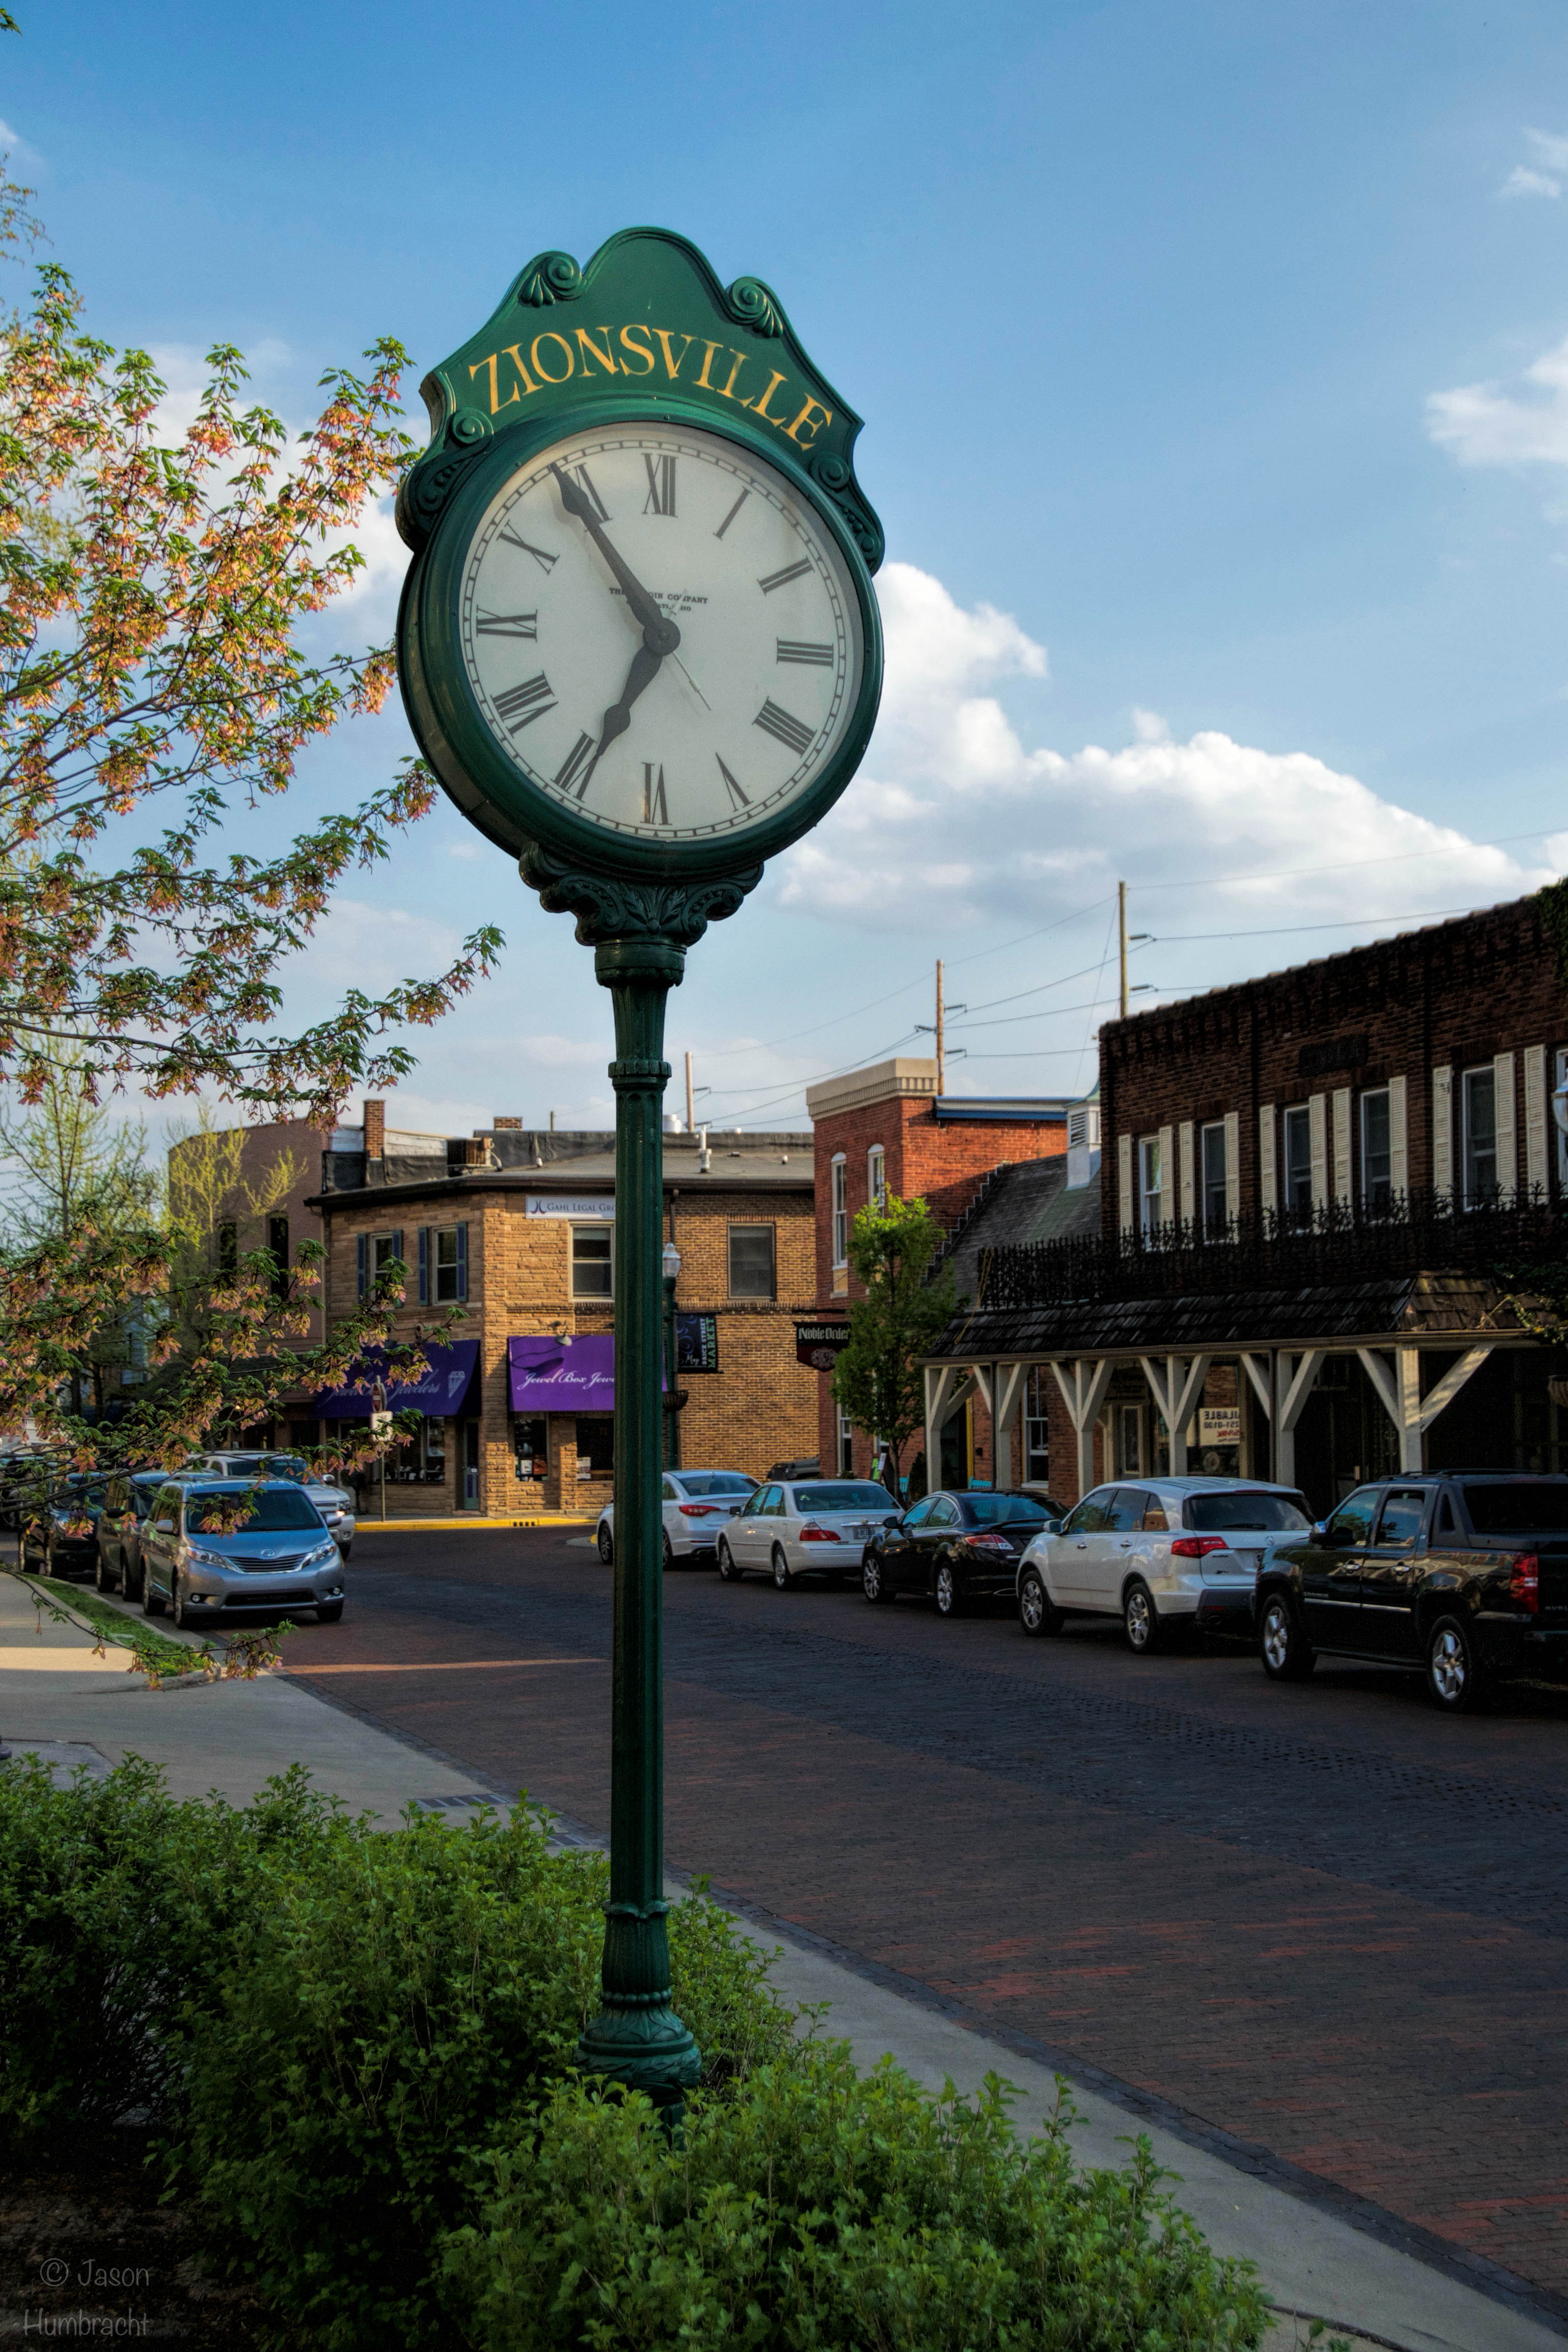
660	634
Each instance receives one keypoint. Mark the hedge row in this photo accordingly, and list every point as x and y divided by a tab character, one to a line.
355	2046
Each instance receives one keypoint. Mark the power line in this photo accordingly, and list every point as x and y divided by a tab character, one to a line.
1291	930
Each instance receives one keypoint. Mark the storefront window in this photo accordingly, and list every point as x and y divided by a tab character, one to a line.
530	1444
596	1446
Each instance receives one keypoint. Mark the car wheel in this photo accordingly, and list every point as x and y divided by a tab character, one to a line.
873	1584
101	1577
1037	1612
1281	1643
727	1567
1453	1675
1141	1620
783	1579
606	1545
946	1593
328	1611
182	1606
152	1603
668	1549
130	1580
344	1550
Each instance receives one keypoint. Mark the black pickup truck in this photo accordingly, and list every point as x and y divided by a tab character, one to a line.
1462	1577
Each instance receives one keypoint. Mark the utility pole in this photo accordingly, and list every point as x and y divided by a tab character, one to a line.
1121	927
690	1101
940	1048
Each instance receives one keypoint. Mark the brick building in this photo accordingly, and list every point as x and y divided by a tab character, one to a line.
1314	1184
885	1130
517	1228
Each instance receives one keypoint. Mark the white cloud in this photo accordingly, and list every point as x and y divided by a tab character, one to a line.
1485	424
13	144
954	822
1543	176
1523	182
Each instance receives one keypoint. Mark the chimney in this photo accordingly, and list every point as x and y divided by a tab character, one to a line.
375	1131
509	1123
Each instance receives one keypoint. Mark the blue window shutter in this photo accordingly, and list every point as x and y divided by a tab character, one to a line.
397	1246
423	1266
462	1260
361	1252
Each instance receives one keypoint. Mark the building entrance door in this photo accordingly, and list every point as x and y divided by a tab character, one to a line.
468	1460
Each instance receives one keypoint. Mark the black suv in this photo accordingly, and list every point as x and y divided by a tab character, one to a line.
1461	1576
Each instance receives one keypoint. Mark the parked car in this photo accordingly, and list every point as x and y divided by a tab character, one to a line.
815	1527
335	1502
955	1546
1462	1577
127	1499
211	1548
695	1504
808	1465
20	1475
59	1536
1161	1554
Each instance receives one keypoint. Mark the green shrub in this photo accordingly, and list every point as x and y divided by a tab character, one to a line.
815	2207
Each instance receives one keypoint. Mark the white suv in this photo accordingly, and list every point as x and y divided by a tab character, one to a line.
695	1504
1159	1553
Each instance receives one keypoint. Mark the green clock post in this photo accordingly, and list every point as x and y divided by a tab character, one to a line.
639	647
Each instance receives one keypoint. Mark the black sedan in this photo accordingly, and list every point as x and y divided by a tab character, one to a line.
59	1536
954	1548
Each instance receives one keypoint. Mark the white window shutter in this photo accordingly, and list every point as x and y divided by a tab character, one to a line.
1267	1172
1185	1133
1535	1059
1399	1138
1233	1163
1443	1131
1124	1181
1317	1128
1343	1143
1167	1177
1506	1127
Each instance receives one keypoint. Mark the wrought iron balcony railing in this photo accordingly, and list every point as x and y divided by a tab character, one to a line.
1277	1249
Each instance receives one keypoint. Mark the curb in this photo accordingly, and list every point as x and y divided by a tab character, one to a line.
472	1519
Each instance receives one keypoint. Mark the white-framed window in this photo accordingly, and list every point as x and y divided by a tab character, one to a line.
1477	1112
1376	1150
1561	1059
876	1176
1296	1188
840	1184
1212	1181
593	1262
845	1447
1149	1211
1130	1441
751	1262
1036	1428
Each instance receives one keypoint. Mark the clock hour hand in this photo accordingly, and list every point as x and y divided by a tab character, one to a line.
645	669
660	636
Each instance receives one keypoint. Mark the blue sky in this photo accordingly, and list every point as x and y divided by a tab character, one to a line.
1212	360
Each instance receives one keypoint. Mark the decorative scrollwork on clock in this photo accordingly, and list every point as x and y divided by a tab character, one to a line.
610	908
750	303
557	279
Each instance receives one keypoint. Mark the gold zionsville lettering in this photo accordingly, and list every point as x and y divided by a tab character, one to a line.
598	344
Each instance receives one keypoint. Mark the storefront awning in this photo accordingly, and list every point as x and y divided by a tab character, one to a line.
442	1393
552	1375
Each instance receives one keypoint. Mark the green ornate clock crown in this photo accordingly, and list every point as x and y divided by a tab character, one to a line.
583	382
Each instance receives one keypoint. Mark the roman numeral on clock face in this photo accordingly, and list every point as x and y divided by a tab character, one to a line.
584	481
661	499
654	807
520	706
738	799
510	624
578	763
786	729
794	649
541	556
781	578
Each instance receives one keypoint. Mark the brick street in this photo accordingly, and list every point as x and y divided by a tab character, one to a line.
1321	1918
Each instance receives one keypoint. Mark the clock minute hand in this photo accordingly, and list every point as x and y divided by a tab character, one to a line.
660	634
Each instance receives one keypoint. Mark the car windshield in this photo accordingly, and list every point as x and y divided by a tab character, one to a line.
698	1482
81	1494
997	1510
843	1494
1246	1510
1518	1507
286	1466
269	1512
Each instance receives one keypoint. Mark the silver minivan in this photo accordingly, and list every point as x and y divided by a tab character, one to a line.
211	1547
335	1502
1159	1553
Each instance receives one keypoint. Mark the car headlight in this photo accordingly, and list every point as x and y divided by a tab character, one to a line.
199	1559
324	1555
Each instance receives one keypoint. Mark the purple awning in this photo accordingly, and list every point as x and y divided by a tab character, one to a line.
440	1393
551	1375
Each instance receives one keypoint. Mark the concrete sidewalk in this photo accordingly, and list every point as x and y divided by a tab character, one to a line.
56	1699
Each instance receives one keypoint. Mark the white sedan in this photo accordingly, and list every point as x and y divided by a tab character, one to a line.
815	1527
695	1504
1159	1553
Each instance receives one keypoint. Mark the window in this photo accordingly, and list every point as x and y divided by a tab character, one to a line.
596	1446
530	1446
1352	1523
943	1513
443	1262
228	1248
1299	1162
845	1447
772	1505
1128	1505
1402	1511
1377	1151
592	1263
1243	1508
1214	1211
1562	1080
1129	1439
375	1251
277	1242
1037	1430
840	1214
876	1176
1479	1110
1092	1516
750	1260
1148	1184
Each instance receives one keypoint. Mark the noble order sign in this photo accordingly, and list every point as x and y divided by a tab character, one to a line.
660	633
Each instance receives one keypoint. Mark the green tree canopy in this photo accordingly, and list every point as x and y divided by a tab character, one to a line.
877	1380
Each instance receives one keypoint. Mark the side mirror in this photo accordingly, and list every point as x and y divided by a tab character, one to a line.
1320	1532
163	1526
1051	1528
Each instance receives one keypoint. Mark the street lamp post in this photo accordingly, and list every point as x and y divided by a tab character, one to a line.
671	1262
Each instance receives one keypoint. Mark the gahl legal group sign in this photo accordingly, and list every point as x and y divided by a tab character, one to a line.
639	647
